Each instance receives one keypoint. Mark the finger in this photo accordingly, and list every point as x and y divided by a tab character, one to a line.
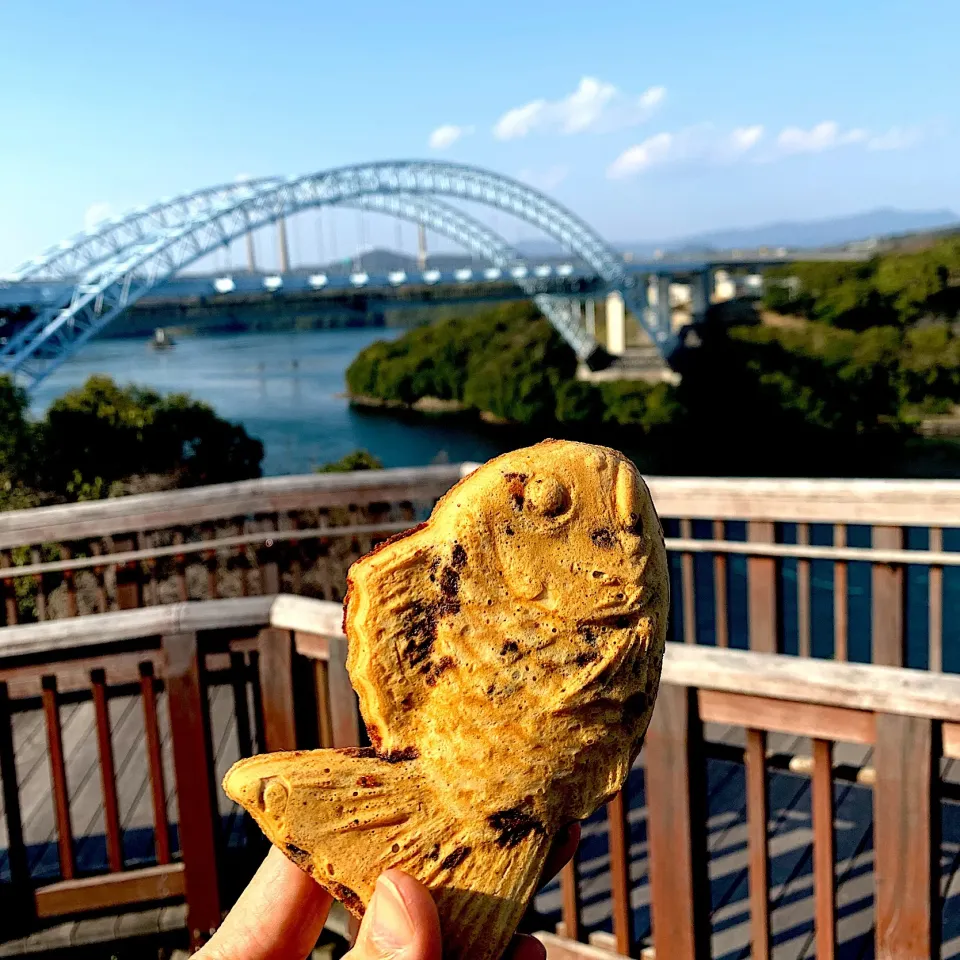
401	921
526	948
563	848
279	915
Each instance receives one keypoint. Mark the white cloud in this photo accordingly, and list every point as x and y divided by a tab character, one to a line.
545	180
896	138
595	106
96	213
701	144
824	136
446	136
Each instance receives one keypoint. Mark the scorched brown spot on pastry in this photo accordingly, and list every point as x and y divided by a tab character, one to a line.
506	655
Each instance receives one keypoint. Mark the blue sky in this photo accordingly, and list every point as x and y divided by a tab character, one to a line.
651	120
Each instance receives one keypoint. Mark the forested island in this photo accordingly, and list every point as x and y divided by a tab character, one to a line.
842	365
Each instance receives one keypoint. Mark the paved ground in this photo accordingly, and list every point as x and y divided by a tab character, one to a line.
790	834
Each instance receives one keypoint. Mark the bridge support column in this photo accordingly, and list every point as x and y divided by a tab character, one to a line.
700	291
590	317
616	324
664	313
251	254
283	246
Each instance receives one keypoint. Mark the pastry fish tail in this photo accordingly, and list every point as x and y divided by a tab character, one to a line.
345	816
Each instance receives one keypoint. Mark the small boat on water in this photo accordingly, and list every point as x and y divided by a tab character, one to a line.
161	340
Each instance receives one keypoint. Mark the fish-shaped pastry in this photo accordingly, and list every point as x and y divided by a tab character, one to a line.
506	654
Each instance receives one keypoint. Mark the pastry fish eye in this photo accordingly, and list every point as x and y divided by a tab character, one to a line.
547	496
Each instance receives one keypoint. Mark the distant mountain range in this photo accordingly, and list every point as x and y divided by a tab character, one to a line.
831	232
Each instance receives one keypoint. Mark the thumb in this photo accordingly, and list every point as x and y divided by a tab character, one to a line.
401	922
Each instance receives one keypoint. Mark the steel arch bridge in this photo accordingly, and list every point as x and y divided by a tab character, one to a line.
111	267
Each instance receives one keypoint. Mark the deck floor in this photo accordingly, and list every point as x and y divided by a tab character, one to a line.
789	829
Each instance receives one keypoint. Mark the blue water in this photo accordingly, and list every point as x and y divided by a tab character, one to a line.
287	390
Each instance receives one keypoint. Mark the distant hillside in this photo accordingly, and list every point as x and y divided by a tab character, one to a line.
823	233
831	232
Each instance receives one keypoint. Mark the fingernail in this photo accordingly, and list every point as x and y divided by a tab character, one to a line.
391	927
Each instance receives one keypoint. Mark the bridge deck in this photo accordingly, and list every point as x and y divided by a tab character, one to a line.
790	833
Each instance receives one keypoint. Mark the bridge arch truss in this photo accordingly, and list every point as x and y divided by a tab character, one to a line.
123	260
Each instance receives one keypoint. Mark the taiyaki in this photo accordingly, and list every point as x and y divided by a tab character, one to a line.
506	655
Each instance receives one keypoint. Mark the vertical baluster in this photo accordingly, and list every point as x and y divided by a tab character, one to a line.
129	575
620	873
9	590
269	569
70	586
293	548
321	676
58	777
570	898
108	777
824	876
180	569
98	575
238	680
240	559
888	600
344	714
803	593
158	794
935	603
906	838
757	817
762	590
189	729
152	595
39	580
212	564
675	779
840	597
21	890
324	564
686	580
720	586
275	647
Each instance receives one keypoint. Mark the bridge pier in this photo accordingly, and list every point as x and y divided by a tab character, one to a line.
590	317
701	289
616	324
251	254
283	245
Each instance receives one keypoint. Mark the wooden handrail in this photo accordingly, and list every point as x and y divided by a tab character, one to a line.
158	511
285	611
886	502
894	690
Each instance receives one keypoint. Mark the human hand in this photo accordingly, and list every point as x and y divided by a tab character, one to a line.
281	913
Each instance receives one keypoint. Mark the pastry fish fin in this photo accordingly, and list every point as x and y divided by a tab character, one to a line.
345	816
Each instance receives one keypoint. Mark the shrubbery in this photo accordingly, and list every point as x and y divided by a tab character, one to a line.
96	437
896	289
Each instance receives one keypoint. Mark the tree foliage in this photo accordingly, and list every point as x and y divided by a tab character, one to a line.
897	289
98	435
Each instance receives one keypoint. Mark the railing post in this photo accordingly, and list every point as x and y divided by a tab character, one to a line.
129	580
193	765
16	898
888	600
344	713
275	647
762	591
906	838
674	778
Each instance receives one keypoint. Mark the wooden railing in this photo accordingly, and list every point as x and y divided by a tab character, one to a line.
849	570
668	874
